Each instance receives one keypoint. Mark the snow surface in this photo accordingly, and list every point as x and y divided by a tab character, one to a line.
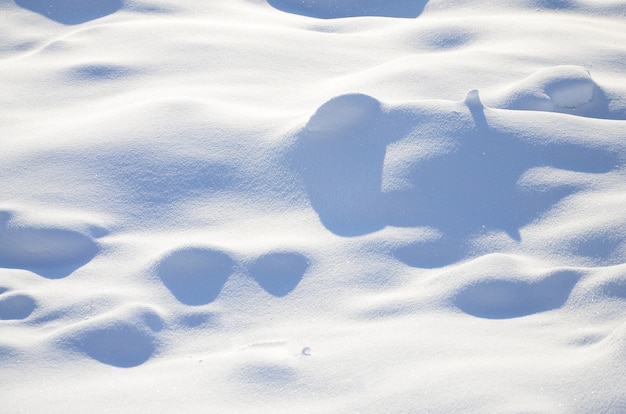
329	206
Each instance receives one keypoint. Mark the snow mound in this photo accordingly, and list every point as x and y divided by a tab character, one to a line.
512	297
49	252
336	116
275	245
331	9
430	254
342	147
616	288
453	166
123	338
558	88
16	306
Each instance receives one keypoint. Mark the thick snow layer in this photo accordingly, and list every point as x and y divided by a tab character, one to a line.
312	206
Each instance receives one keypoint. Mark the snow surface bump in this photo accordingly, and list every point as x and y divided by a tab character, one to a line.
431	254
15	305
340	155
72	12
615	288
331	9
454	166
415	306
48	251
125	337
512	297
568	89
340	114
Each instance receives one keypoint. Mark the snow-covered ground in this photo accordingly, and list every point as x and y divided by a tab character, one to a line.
325	206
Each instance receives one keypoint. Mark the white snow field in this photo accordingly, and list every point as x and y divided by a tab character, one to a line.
329	206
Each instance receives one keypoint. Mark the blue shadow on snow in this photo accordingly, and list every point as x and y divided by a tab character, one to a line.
49	252
333	9
467	184
195	275
279	272
70	12
514	298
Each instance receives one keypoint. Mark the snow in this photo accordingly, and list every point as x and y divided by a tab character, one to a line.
559	87
320	206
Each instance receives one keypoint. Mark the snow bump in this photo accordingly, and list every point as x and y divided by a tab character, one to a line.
16	306
504	298
49	252
558	88
123	338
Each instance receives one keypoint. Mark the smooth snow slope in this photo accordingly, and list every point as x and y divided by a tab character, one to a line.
313	206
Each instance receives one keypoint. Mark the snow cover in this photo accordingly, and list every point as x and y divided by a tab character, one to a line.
329	206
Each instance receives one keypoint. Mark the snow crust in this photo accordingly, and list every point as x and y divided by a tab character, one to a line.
312	206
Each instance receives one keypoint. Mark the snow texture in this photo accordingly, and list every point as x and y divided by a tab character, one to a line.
327	206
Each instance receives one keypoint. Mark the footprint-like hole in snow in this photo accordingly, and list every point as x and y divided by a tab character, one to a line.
51	253
513	298
72	11
279	272
195	275
16	306
116	343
